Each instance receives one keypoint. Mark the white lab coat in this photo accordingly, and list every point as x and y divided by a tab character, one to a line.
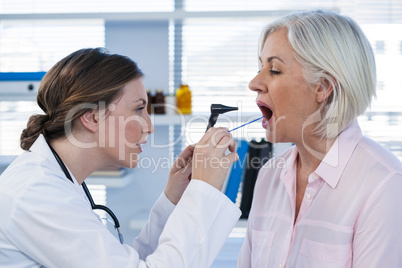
47	220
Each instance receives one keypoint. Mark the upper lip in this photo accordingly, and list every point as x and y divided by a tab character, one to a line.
261	103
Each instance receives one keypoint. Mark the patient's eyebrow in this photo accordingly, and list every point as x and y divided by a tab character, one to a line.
272	58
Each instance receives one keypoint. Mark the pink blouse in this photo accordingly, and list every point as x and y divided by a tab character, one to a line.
351	214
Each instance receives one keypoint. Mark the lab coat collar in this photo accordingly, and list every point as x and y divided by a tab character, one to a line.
41	147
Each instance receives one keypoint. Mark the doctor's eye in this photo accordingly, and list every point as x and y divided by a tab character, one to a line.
140	109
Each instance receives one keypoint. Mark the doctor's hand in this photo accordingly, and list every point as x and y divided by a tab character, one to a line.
210	163
179	176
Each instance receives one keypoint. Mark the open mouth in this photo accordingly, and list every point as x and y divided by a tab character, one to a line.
140	144
266	111
139	147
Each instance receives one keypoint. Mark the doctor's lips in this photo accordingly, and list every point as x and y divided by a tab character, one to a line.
140	144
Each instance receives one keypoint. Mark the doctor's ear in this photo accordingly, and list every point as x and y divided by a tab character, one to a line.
90	120
325	89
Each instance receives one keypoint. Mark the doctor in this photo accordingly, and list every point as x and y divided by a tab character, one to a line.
95	115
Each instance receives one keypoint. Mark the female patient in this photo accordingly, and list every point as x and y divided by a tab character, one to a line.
95	115
337	202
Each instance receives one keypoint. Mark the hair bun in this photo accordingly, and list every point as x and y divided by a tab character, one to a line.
44	118
35	127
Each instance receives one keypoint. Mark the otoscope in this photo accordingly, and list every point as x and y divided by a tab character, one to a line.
216	110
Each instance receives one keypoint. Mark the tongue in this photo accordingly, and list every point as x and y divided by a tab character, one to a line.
267	113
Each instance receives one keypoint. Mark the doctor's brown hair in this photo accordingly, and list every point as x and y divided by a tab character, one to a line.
87	76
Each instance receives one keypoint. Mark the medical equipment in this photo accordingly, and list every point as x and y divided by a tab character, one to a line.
88	194
247	123
216	110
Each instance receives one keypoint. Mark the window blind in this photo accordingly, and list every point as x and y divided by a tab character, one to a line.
219	57
81	6
223	5
34	46
216	56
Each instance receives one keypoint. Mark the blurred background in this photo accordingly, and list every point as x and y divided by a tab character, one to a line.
209	45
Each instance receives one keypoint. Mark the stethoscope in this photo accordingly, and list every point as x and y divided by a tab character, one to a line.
88	194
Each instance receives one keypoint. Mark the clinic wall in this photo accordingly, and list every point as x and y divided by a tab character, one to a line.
147	43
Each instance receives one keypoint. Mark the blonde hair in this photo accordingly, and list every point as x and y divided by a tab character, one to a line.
332	49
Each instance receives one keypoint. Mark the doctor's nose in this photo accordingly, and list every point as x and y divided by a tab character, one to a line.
149	128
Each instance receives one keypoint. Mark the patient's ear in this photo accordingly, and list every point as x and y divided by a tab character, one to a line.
90	120
325	89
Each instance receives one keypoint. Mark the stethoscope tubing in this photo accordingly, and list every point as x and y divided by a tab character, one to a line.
88	194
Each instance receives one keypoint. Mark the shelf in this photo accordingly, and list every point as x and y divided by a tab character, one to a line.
165	119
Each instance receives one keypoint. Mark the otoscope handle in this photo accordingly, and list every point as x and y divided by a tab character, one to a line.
212	120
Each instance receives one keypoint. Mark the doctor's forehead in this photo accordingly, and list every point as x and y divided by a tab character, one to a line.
135	90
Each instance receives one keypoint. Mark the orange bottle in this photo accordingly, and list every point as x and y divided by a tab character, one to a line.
183	98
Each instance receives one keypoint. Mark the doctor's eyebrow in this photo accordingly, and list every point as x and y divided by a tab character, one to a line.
143	101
